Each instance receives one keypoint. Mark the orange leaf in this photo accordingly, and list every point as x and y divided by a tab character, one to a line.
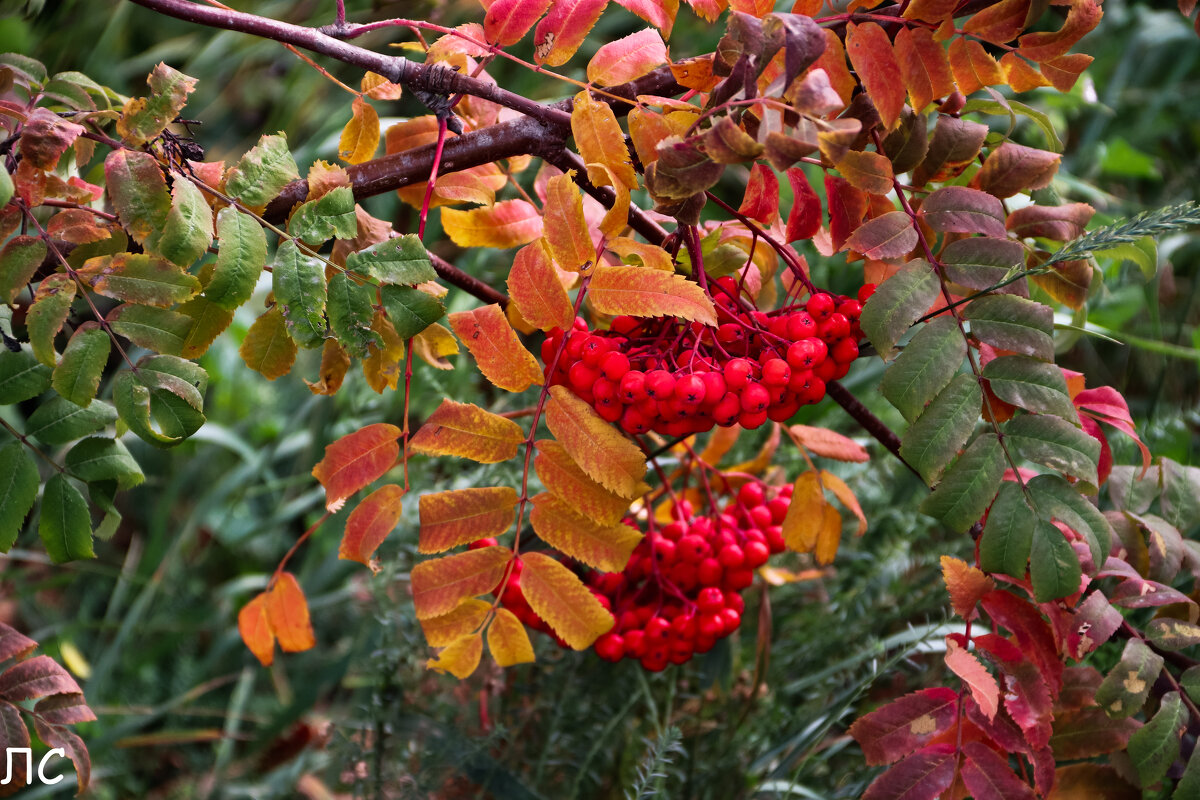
599	449
1012	168
616	219
925	66
536	291
335	362
966	585
467	431
659	13
256	630
984	689
442	631
355	460
377	87
870	51
599	139
763	458
973	66
508	641
369	524
640	292
498	352
650	255
870	172
829	536
384	363
827	443
564	29
449	519
360	137
605	547
507	21
833	61
1020	75
460	658
1081	19
930	10
287	613
509	223
1062	72
441	584
842	492
564	478
565	231
627	59
558	596
999	23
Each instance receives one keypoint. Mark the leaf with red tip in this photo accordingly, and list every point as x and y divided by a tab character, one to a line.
507	21
441	584
804	217
599	449
356	460
659	13
370	523
509	223
556	594
870	172
534	287
605	547
287	613
45	136
627	59
641	292
870	51
468	431
564	29
922	776
987	775
498	352
889	236
450	519
981	683
761	200
508	641
256	630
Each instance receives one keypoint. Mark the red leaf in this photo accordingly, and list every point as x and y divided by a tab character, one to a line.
922	776
804	217
564	29
507	21
1081	19
957	209
40	676
905	724
1032	633
1089	732
76	750
64	709
761	201
889	236
14	644
988	776
627	59
355	460
870	51
45	136
983	686
369	524
659	13
1106	404
847	207
1013	168
1094	623
925	66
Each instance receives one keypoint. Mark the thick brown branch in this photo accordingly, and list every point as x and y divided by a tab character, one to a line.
468	283
869	422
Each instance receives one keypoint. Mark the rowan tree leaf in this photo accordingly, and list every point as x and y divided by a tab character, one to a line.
98	458
602	452
144	118
954	144
1173	634
402	261
262	173
924	367
468	431
965	584
360	137
565	231
1055	443
461	516
1013	168
508	641
627	59
556	594
329	216
988	776
1127	685
189	227
439	585
21	376
45	136
267	348
287	614
534	287
935	438
1030	384
34	678
905	724
1008	535
889	236
809	514
19	261
209	321
659	13
561	32
410	310
599	139
898	303
868	171
498	352
138	191
804	216
355	461
982	263
924	65
59	737
1057	499
64	525
761	199
969	486
1013	323
973	66
958	209
19	481
870	52
1053	565
509	223
1154	747
370	523
926	773
256	631
58	420
640	292
77	375
460	658
46	316
350	311
827	444
139	278
507	21
981	683
467	617
565	479
300	293
605	547
241	256
67	708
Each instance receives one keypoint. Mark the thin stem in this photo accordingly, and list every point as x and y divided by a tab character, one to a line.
868	421
296	546
21	438
433	173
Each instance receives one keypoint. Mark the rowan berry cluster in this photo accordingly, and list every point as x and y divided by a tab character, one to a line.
678	378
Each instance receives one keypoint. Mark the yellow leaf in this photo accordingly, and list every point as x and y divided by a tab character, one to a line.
460	658
441	584
616	219
805	514
558	596
384	365
650	255
468	431
605	547
720	442
600	450
335	363
360	137
764	458
462	621
377	87
565	231
536	291
267	348
508	641
829	536
842	492
564	478
498	352
509	223
640	292
600	140
433	344
449	519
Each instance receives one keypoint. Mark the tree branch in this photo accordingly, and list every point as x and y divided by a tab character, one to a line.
565	160
468	283
869	422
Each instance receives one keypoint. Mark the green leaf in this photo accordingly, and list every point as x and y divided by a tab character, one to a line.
189	228
58	420
1189	782
21	376
181	377
19	261
77	376
115	242
65	526
145	118
18	490
1055	443
1154	747
1053	565
1180	501
982	262
29	69
330	215
410	310
263	172
98	458
1190	681
6	187
1143	252
1031	384
300	294
45	318
132	399
969	486
209	320
1173	634
1125	688
267	348
402	261
1056	499
152	328
102	494
1009	106
930	359
1013	323
240	259
1008	535
139	278
898	303
138	192
350	315
939	433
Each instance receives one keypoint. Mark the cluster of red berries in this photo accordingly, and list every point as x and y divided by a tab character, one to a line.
678	378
